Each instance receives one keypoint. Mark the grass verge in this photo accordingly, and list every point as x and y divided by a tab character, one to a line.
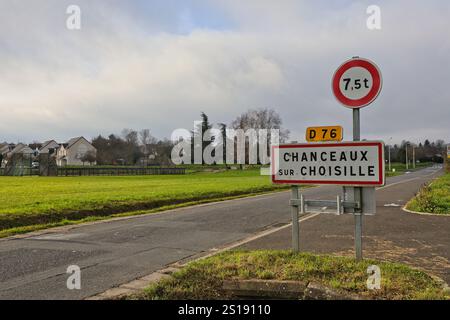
202	280
433	198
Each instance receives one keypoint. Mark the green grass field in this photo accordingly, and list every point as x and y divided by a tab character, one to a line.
202	280
433	198
41	201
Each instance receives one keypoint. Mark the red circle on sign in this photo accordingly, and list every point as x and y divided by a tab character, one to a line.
373	93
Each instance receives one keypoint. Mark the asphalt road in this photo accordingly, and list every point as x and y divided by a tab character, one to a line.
115	252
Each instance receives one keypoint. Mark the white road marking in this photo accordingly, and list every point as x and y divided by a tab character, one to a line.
58	237
391	205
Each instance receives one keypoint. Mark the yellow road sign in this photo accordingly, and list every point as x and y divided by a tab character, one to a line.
318	134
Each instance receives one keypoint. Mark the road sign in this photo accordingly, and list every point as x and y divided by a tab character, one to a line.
448	151
357	83
348	164
318	134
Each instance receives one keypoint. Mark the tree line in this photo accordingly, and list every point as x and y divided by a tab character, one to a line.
133	147
427	151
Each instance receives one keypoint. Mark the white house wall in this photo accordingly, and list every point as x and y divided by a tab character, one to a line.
77	151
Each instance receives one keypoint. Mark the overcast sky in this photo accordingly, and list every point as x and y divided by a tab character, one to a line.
157	64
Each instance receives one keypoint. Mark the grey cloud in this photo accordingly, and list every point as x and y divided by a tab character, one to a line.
113	74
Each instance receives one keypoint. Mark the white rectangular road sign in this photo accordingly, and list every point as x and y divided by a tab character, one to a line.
347	163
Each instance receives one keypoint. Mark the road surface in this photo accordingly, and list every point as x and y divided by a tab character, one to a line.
116	252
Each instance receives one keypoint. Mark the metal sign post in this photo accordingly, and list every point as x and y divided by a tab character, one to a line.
358	166
356	84
358	192
295	223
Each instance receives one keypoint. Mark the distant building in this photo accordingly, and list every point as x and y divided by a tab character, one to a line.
5	148
9	152
21	149
76	152
47	146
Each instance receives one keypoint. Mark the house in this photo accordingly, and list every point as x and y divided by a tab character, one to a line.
5	148
21	148
76	152
47	146
19	151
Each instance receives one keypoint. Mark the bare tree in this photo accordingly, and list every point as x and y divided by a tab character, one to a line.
256	119
148	143
261	119
130	136
146	137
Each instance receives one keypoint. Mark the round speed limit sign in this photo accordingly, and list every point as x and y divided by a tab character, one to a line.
357	83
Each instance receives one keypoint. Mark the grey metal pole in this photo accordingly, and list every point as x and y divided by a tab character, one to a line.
414	157
356	125
358	192
295	224
407	162
390	169
390	165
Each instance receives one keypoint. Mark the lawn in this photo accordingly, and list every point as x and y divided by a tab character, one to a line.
202	280
29	201
433	198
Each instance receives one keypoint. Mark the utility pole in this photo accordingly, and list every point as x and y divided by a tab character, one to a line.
407	162
389	148
414	156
